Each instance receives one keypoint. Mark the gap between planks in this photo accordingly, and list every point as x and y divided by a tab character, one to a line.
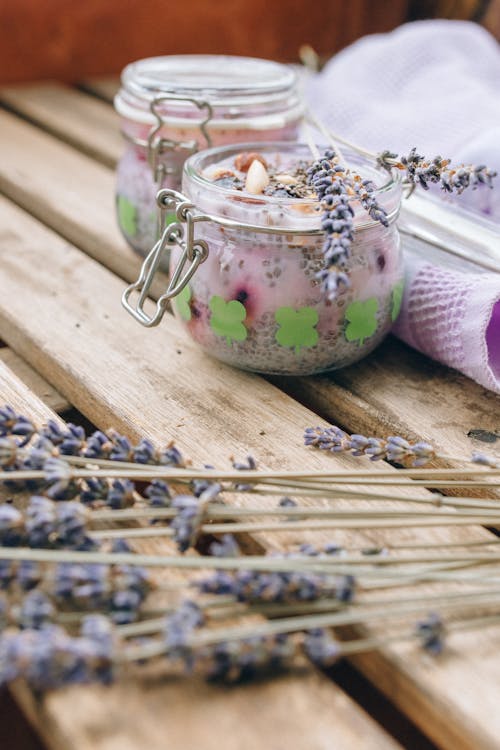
162	385
303	711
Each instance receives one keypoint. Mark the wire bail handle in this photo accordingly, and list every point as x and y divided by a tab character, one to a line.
158	145
179	233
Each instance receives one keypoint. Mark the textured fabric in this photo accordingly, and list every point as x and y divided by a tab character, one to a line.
448	316
434	85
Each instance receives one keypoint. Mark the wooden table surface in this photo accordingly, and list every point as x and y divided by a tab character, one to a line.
70	346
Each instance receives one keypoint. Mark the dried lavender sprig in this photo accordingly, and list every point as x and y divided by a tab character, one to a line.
394	448
419	170
50	658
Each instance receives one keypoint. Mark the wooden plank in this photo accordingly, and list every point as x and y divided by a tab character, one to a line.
74	117
36	384
105	88
303	711
159	383
396	390
66	190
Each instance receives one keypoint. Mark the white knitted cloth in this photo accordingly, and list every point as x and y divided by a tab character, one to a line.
434	85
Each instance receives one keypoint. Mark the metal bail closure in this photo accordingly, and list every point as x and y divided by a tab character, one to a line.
157	145
181	234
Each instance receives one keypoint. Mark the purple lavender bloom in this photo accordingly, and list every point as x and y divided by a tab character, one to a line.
187	522
58	477
287	502
29	575
98	445
345	589
171	456
121	494
227	546
179	627
430	633
7	573
235	661
9	657
11	526
8	452
16	425
94	490
71	524
144	452
40	522
121	447
97	631
484	460
36	611
321	648
158	494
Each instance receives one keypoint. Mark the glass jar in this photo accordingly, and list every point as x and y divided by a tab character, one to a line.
244	270
172	106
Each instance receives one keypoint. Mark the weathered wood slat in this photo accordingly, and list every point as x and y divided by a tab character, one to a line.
399	391
303	711
162	384
74	117
68	191
36	384
105	88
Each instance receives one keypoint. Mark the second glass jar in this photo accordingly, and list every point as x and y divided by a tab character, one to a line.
170	107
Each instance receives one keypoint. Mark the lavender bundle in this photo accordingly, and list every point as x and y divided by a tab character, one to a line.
74	604
337	186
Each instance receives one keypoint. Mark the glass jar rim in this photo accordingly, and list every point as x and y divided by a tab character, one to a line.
390	188
229	84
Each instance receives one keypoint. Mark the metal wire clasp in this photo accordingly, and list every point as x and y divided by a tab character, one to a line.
158	145
194	252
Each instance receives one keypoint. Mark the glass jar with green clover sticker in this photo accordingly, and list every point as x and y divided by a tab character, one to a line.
248	259
172	106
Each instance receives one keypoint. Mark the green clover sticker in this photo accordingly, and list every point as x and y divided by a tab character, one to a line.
226	319
182	303
397	298
127	216
297	327
362	317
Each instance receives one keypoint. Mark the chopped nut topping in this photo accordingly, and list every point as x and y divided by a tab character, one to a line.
243	161
257	178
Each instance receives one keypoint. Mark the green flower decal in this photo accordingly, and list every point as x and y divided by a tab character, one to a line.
182	303
362	317
397	298
226	319
297	327
127	216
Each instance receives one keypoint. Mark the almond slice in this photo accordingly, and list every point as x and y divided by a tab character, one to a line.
257	178
286	179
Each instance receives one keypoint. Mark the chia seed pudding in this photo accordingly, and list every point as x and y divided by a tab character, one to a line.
163	103
256	302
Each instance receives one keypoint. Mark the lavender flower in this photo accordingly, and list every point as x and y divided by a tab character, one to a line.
15	425
335	187
484	460
393	448
121	494
234	661
321	648
11	526
36	610
277	587
158	494
430	633
179	627
227	546
422	171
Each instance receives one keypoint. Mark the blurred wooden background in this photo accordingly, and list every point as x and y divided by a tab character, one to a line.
64	40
